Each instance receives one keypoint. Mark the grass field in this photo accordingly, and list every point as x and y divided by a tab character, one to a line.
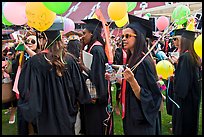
8	129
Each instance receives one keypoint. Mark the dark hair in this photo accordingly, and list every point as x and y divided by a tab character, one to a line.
74	47
56	56
187	44
140	49
140	46
96	36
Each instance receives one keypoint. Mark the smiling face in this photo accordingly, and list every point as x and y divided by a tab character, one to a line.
128	38
31	42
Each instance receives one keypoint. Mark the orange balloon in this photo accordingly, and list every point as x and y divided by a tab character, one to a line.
39	17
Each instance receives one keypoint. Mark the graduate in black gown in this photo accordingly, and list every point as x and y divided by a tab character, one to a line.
174	60
142	94
50	86
187	88
95	114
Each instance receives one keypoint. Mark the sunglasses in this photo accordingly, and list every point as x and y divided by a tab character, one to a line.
30	41
128	35
174	39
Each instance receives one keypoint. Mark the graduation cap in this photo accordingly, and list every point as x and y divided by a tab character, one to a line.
142	25
178	32
93	25
53	33
189	34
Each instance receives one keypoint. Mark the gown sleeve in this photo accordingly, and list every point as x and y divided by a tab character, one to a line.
30	87
82	93
150	96
183	74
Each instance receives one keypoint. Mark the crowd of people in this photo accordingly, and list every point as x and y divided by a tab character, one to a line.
58	94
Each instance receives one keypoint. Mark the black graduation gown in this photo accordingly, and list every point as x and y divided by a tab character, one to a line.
169	103
187	95
118	60
141	115
95	114
48	100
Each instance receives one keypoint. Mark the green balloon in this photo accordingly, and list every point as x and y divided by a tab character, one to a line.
131	6
58	7
5	21
180	14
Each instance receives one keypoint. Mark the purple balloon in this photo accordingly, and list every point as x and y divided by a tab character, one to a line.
15	13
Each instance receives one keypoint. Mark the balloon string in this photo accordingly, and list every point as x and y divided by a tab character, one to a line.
164	34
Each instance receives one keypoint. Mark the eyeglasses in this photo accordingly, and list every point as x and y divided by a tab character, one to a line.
128	35
30	41
174	39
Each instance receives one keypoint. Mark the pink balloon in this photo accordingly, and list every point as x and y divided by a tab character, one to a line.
15	13
68	25
162	23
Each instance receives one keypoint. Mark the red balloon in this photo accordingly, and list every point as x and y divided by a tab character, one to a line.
162	23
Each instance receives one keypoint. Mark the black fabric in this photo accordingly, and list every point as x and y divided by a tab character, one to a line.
141	115
140	24
189	35
187	96
48	100
95	113
93	25
178	32
118	57
169	103
73	47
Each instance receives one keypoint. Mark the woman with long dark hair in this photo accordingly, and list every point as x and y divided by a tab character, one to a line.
187	96
141	97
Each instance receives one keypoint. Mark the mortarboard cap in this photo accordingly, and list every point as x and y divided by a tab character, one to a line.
142	25
53	33
178	32
93	25
189	34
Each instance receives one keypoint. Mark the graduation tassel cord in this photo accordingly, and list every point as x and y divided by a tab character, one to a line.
169	96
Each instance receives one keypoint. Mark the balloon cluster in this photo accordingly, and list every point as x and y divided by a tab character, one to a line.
39	15
118	12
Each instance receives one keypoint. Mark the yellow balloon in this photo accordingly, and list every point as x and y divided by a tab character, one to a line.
117	10
39	17
123	21
164	69
198	46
